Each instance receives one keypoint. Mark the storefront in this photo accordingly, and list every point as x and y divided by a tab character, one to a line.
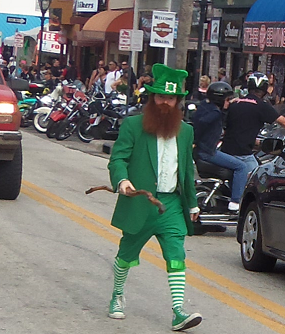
264	37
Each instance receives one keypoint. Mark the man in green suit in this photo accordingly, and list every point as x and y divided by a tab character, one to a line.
154	152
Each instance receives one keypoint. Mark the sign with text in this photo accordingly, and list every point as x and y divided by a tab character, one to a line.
231	31
131	40
86	6
17	20
162	29
19	40
260	37
50	42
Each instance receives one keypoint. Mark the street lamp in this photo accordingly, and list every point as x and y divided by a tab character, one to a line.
203	13
44	6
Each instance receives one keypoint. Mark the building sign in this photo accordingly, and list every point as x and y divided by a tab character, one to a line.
87	6
231	31
162	29
262	37
215	31
50	42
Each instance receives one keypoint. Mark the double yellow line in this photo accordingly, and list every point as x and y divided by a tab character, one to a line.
273	319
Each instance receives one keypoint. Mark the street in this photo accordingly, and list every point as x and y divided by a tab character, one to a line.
58	247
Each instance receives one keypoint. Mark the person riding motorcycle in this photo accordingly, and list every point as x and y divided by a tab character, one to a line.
208	127
245	117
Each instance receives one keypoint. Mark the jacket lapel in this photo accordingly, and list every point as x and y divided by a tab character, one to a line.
152	149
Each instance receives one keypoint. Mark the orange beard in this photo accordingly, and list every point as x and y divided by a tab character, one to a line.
161	120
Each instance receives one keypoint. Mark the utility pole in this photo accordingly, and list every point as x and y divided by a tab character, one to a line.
183	33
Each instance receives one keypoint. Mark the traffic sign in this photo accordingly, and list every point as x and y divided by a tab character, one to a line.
18	20
125	40
130	40
19	40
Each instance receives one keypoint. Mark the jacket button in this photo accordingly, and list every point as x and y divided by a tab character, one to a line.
155	183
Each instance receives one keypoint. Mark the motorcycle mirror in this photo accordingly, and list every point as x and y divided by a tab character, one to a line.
142	90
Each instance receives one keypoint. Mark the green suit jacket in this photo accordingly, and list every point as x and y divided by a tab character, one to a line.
134	157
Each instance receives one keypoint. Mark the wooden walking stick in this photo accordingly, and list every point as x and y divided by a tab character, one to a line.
133	193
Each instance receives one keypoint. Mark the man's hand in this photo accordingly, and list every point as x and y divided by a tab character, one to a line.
124	185
194	216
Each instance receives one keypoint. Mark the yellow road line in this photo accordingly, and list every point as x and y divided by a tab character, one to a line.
192	280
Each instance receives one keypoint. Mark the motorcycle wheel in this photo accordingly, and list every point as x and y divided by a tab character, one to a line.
25	117
40	124
103	127
202	192
63	131
83	132
51	129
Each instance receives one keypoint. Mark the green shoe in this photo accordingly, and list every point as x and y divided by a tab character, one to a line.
182	320
117	304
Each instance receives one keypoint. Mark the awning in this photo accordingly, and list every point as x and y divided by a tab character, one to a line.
105	25
266	11
33	33
264	28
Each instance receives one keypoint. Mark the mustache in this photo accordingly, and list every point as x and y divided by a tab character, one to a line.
164	108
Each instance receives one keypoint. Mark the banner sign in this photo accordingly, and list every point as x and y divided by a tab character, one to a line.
215	31
87	6
262	37
162	29
50	42
231	32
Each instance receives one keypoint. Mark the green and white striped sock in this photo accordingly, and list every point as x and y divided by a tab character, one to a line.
176	283
120	277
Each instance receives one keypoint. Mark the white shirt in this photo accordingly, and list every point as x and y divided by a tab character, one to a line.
167	165
110	79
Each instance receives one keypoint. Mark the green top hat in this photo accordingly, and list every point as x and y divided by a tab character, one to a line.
167	81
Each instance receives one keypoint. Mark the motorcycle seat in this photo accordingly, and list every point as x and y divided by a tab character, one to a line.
208	170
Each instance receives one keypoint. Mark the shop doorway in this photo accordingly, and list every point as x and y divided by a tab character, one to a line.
190	68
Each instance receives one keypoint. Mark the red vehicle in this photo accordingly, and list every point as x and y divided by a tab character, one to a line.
10	137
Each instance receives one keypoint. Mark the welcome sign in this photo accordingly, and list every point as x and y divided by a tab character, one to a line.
162	29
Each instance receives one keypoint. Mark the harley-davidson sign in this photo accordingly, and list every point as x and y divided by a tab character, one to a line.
162	30
264	37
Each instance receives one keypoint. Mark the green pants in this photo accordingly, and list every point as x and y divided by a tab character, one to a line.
169	229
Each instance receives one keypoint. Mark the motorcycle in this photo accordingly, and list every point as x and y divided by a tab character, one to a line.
63	92
29	101
51	103
77	108
213	188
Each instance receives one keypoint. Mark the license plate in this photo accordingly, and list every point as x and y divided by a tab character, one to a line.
5	119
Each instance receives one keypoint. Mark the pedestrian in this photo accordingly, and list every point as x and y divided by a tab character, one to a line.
245	117
154	152
133	85
70	72
200	93
112	76
121	85
56	71
208	127
95	73
272	91
222	75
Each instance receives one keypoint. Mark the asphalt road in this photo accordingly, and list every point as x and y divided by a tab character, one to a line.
57	251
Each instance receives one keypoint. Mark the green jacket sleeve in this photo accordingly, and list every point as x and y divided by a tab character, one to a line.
121	153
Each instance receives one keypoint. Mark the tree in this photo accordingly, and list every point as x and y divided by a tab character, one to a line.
183	33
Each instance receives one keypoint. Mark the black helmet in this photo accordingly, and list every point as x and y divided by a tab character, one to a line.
257	81
217	92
